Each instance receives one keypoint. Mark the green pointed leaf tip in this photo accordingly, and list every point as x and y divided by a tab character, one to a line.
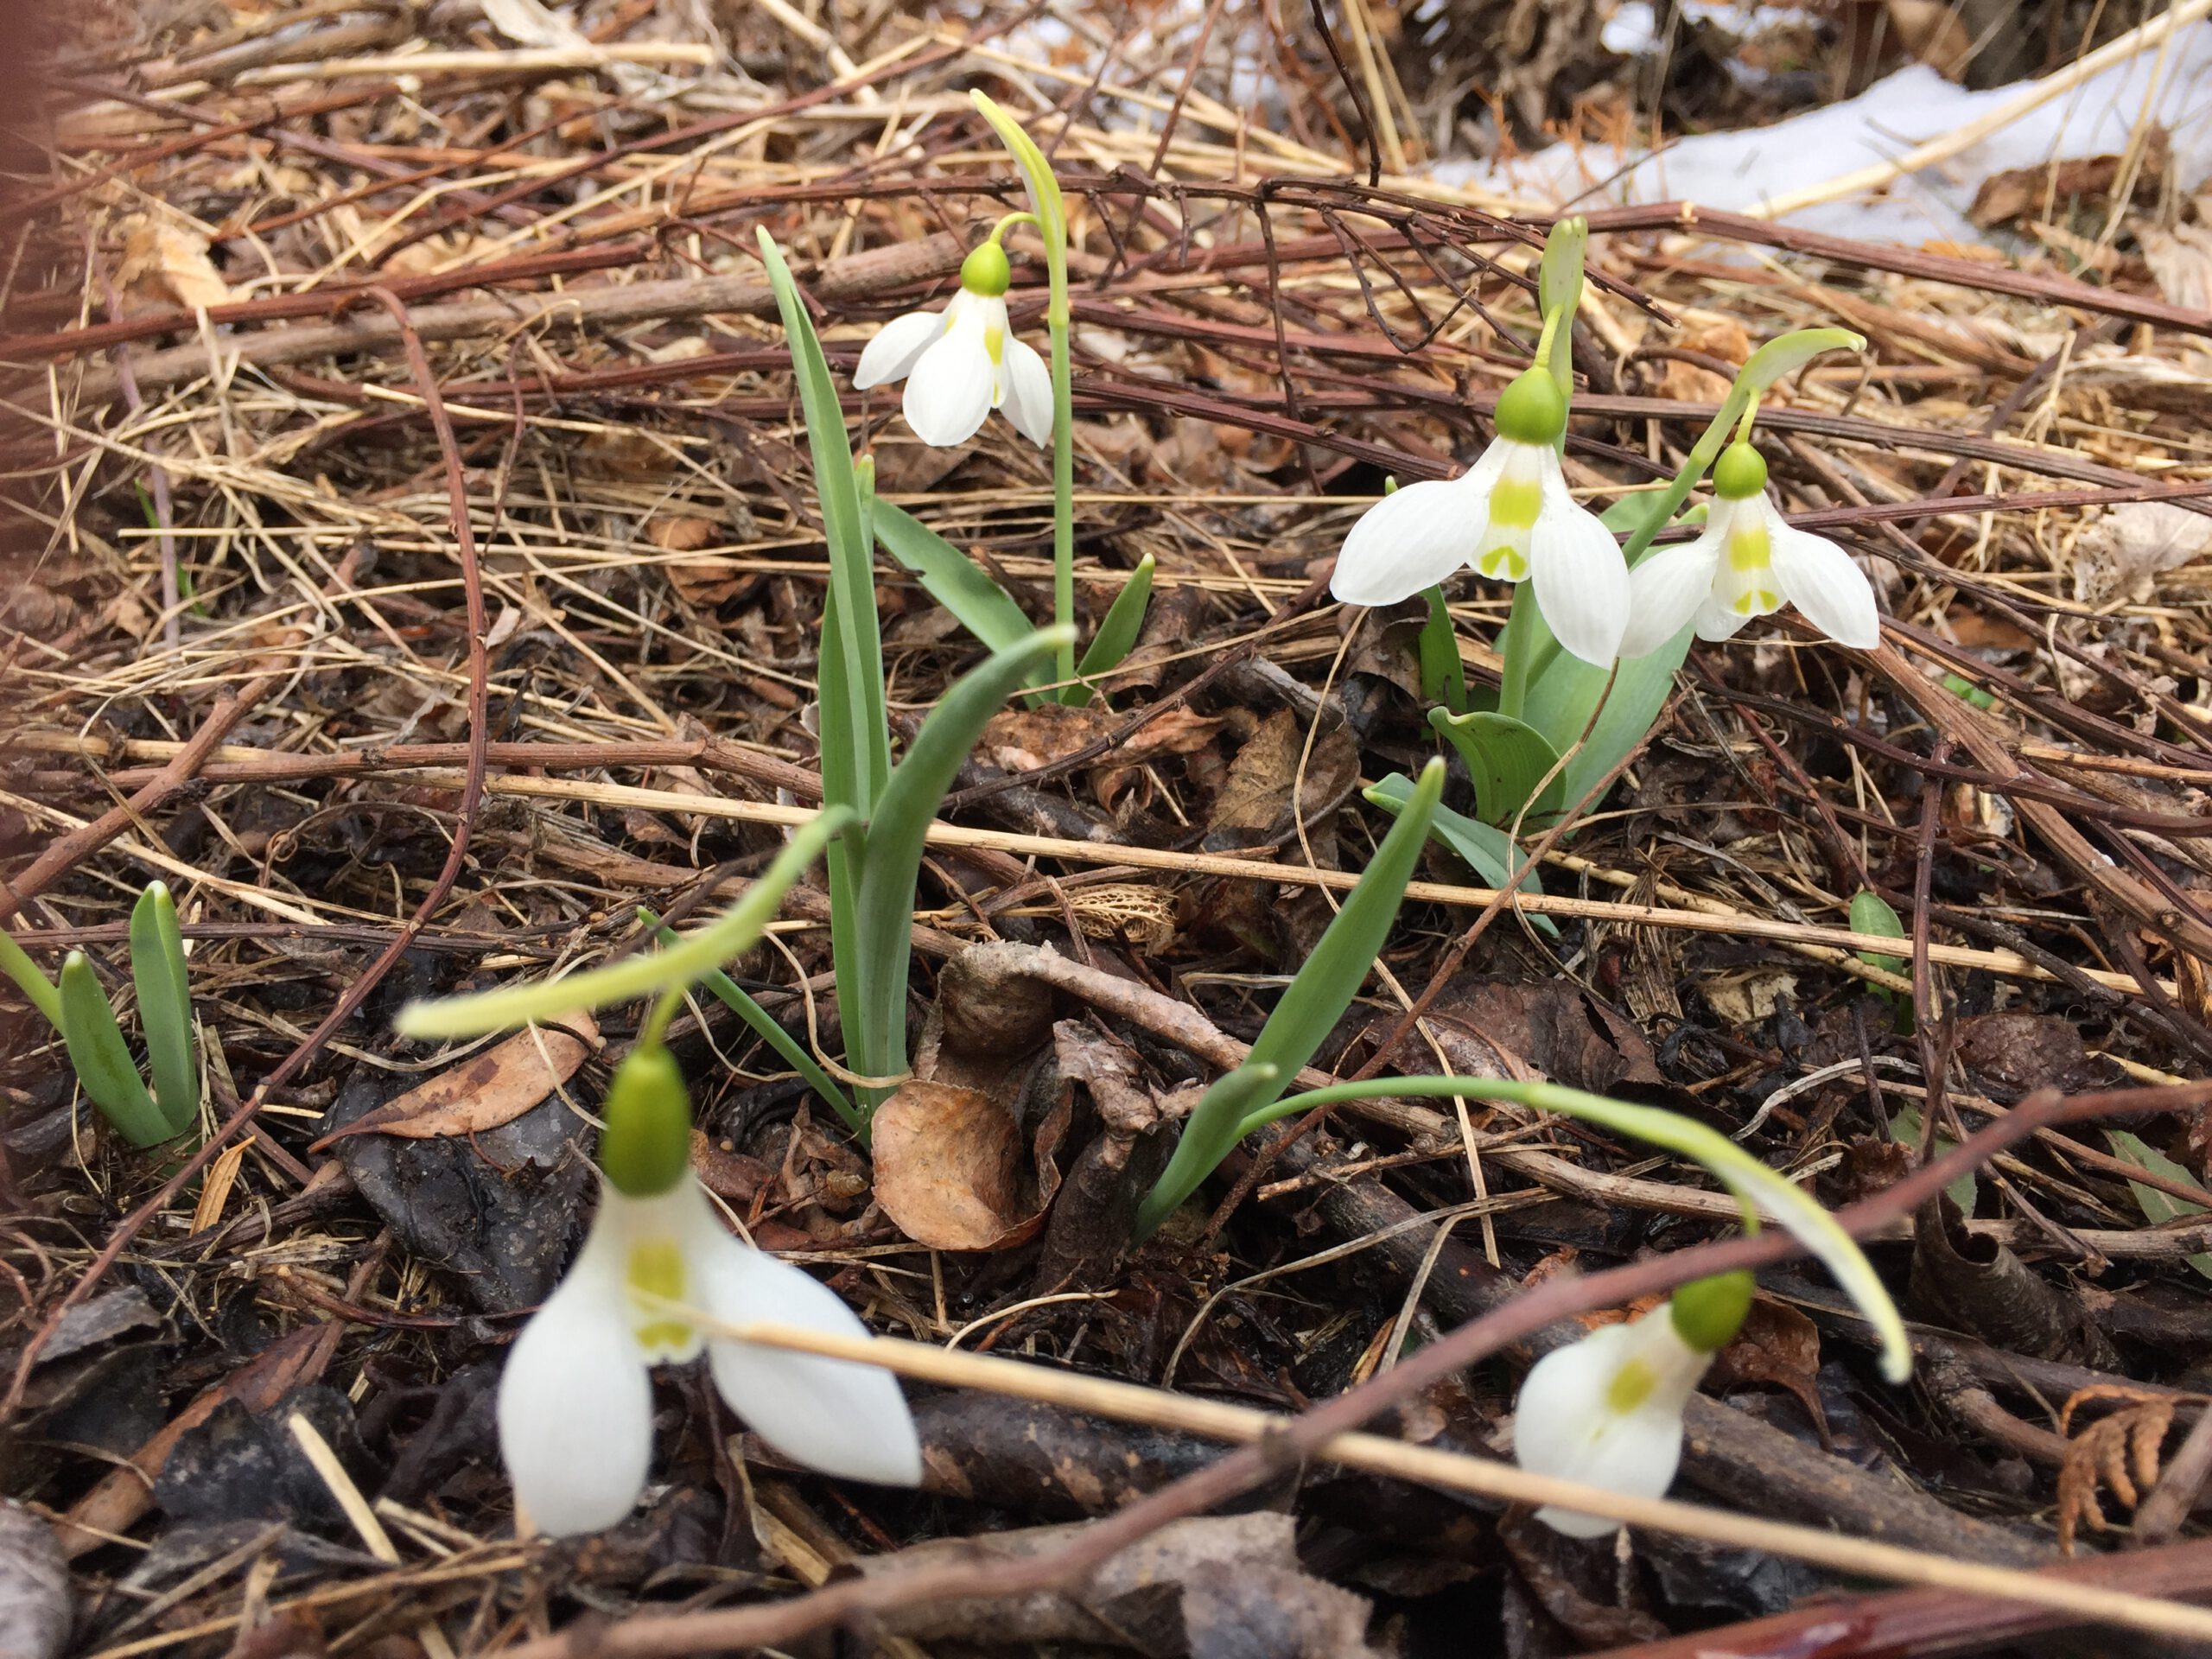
737	930
951	578
1045	198
2157	1205
1748	1181
161	975
1507	759
1118	630
1870	913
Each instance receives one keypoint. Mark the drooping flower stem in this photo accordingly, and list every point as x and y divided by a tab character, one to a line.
1516	645
1049	213
1748	1180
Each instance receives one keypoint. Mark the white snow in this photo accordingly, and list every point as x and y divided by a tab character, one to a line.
1737	171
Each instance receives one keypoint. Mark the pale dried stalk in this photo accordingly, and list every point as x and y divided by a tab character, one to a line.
1454	1471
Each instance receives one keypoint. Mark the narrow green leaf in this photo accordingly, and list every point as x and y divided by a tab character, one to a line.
1507	759
1117	631
2158	1205
1753	1184
1870	913
766	1026
158	970
855	738
1487	850
21	969
103	1063
883	910
735	931
1209	1133
1339	964
1443	676
952	579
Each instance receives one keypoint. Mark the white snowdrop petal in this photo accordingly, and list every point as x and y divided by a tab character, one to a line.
576	1413
898	346
1562	1403
835	1415
949	390
1716	623
1408	541
1028	391
1820	579
1568	1425
1581	579
1665	590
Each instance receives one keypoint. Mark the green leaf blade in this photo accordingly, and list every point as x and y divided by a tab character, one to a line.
884	893
1487	850
24	974
952	579
158	972
1213	1128
1117	631
102	1061
1509	761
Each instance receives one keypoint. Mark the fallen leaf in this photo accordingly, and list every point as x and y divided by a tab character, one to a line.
1747	997
2013	1054
493	1087
1779	1345
172	259
947	1166
1253	810
2132	545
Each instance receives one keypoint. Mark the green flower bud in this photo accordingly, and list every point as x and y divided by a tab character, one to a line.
1740	473
1531	411
646	1148
1707	1312
986	272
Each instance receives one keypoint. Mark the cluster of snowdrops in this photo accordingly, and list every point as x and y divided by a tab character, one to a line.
1600	620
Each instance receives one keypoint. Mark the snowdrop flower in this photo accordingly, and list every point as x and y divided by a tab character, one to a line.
1749	562
960	363
1607	1409
575	1402
1511	517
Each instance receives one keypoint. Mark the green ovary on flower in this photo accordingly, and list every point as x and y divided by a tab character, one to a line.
986	272
1708	1312
646	1146
1531	411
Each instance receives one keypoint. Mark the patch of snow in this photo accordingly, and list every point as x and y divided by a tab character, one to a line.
1736	171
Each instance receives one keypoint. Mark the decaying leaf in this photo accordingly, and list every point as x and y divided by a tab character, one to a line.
948	1167
161	254
2130	546
1252	808
1779	1345
495	1087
